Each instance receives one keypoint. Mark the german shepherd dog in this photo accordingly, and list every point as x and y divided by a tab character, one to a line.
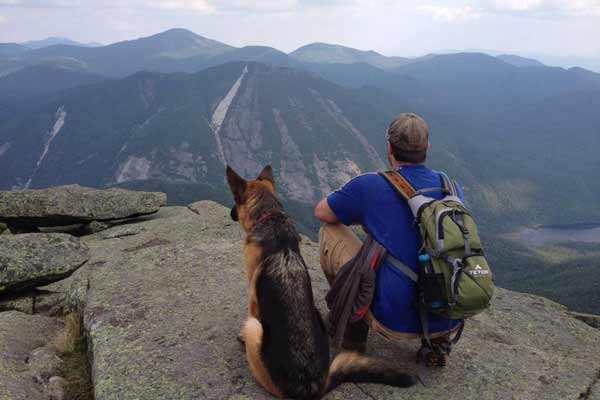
286	342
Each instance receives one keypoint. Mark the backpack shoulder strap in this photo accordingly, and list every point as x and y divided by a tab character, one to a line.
399	183
450	187
414	197
449	184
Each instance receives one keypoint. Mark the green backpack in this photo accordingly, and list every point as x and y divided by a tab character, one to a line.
454	279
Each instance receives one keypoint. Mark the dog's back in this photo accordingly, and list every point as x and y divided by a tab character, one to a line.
295	343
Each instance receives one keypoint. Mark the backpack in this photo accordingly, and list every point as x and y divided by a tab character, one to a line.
454	279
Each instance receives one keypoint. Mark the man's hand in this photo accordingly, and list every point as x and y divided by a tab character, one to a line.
324	213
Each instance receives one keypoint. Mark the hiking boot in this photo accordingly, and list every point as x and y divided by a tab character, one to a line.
431	357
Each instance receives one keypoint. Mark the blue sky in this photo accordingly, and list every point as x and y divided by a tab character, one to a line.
405	28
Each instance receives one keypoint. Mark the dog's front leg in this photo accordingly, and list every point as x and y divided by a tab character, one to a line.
253	311
252	257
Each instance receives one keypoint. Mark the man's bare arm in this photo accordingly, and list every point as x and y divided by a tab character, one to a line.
324	213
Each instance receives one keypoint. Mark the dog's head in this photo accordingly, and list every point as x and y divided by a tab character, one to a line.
250	195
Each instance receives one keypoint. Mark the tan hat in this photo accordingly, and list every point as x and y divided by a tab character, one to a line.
409	133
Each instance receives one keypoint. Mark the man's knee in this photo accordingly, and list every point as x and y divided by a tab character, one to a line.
338	245
325	246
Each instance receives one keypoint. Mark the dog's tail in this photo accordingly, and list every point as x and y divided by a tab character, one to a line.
354	367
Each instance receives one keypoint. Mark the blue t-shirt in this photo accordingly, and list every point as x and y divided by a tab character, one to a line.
371	201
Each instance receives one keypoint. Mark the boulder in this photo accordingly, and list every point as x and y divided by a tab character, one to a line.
36	259
163	305
25	210
24	361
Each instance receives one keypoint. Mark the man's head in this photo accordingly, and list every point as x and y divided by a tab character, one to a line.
408	139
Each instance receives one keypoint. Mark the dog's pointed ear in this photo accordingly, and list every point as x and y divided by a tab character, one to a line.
237	184
267	175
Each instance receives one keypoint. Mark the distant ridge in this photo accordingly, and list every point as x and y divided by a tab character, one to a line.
52	41
519	61
11	49
336	54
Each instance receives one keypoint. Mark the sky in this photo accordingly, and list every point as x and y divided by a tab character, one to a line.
559	28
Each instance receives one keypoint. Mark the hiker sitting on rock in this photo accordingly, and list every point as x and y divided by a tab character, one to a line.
371	284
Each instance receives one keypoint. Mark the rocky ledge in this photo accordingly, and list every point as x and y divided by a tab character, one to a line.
163	299
28	210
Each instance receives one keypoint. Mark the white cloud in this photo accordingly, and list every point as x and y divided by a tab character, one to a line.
262	5
183	5
544	8
2	19
523	8
240	6
449	14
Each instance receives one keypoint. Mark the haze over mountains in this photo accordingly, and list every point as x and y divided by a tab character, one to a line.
167	112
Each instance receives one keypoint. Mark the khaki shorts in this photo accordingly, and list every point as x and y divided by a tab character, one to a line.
339	244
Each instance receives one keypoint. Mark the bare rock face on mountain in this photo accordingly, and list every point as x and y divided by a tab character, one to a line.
36	259
27	361
163	301
316	135
74	204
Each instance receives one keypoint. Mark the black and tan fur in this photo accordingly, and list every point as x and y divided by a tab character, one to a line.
286	342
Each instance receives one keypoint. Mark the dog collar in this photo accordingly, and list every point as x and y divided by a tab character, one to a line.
265	217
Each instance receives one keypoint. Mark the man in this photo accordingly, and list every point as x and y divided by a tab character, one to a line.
370	200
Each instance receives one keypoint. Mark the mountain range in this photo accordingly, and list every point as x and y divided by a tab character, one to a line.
180	50
167	113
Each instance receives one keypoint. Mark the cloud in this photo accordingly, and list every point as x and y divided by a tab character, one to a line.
2	19
241	6
544	8
184	5
203	6
449	14
257	6
523	8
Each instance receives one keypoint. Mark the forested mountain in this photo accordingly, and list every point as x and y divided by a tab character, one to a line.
43	79
508	157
